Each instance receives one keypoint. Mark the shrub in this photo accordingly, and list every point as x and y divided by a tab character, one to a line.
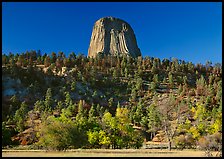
6	135
184	141
211	142
57	135
189	140
203	143
180	141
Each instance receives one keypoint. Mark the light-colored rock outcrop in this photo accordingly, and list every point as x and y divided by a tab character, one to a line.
113	36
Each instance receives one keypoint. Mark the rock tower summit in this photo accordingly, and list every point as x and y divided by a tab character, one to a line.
113	36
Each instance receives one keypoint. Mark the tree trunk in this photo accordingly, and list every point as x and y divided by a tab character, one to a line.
169	145
169	139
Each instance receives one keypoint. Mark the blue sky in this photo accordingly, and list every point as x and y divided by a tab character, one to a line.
190	31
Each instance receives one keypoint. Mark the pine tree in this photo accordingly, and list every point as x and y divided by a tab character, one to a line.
59	105
20	116
53	57
126	72
118	105
47	61
156	79
73	86
48	102
92	116
14	104
154	119
110	102
201	86
185	80
180	89
170	76
139	112
68	100
153	87
81	117
39	106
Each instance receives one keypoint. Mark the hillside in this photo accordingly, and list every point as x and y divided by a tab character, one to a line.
109	101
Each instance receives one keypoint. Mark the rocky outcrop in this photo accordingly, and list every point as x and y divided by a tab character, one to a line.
113	36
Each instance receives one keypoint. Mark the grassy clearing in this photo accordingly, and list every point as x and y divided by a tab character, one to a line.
104	153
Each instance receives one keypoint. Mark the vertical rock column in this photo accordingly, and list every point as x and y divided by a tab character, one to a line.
113	36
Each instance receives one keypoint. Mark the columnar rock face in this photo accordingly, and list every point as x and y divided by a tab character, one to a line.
113	36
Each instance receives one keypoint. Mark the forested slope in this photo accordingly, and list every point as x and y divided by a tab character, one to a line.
58	102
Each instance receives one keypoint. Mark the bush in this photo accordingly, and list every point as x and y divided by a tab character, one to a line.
189	140
180	141
6	135
184	141
203	143
56	135
211	142
136	140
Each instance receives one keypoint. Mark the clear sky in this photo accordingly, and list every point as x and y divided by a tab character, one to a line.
190	31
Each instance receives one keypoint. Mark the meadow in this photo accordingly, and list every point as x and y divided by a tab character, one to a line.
106	153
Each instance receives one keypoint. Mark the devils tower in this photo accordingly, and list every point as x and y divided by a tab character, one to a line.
113	36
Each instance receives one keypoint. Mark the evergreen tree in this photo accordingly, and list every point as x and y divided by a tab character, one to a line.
20	117
154	119
14	104
110	102
53	57
59	105
138	113
81	118
170	76
201	86
39	106
126	72
153	87
68	100
73	86
47	61
92	115
48	102
156	79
